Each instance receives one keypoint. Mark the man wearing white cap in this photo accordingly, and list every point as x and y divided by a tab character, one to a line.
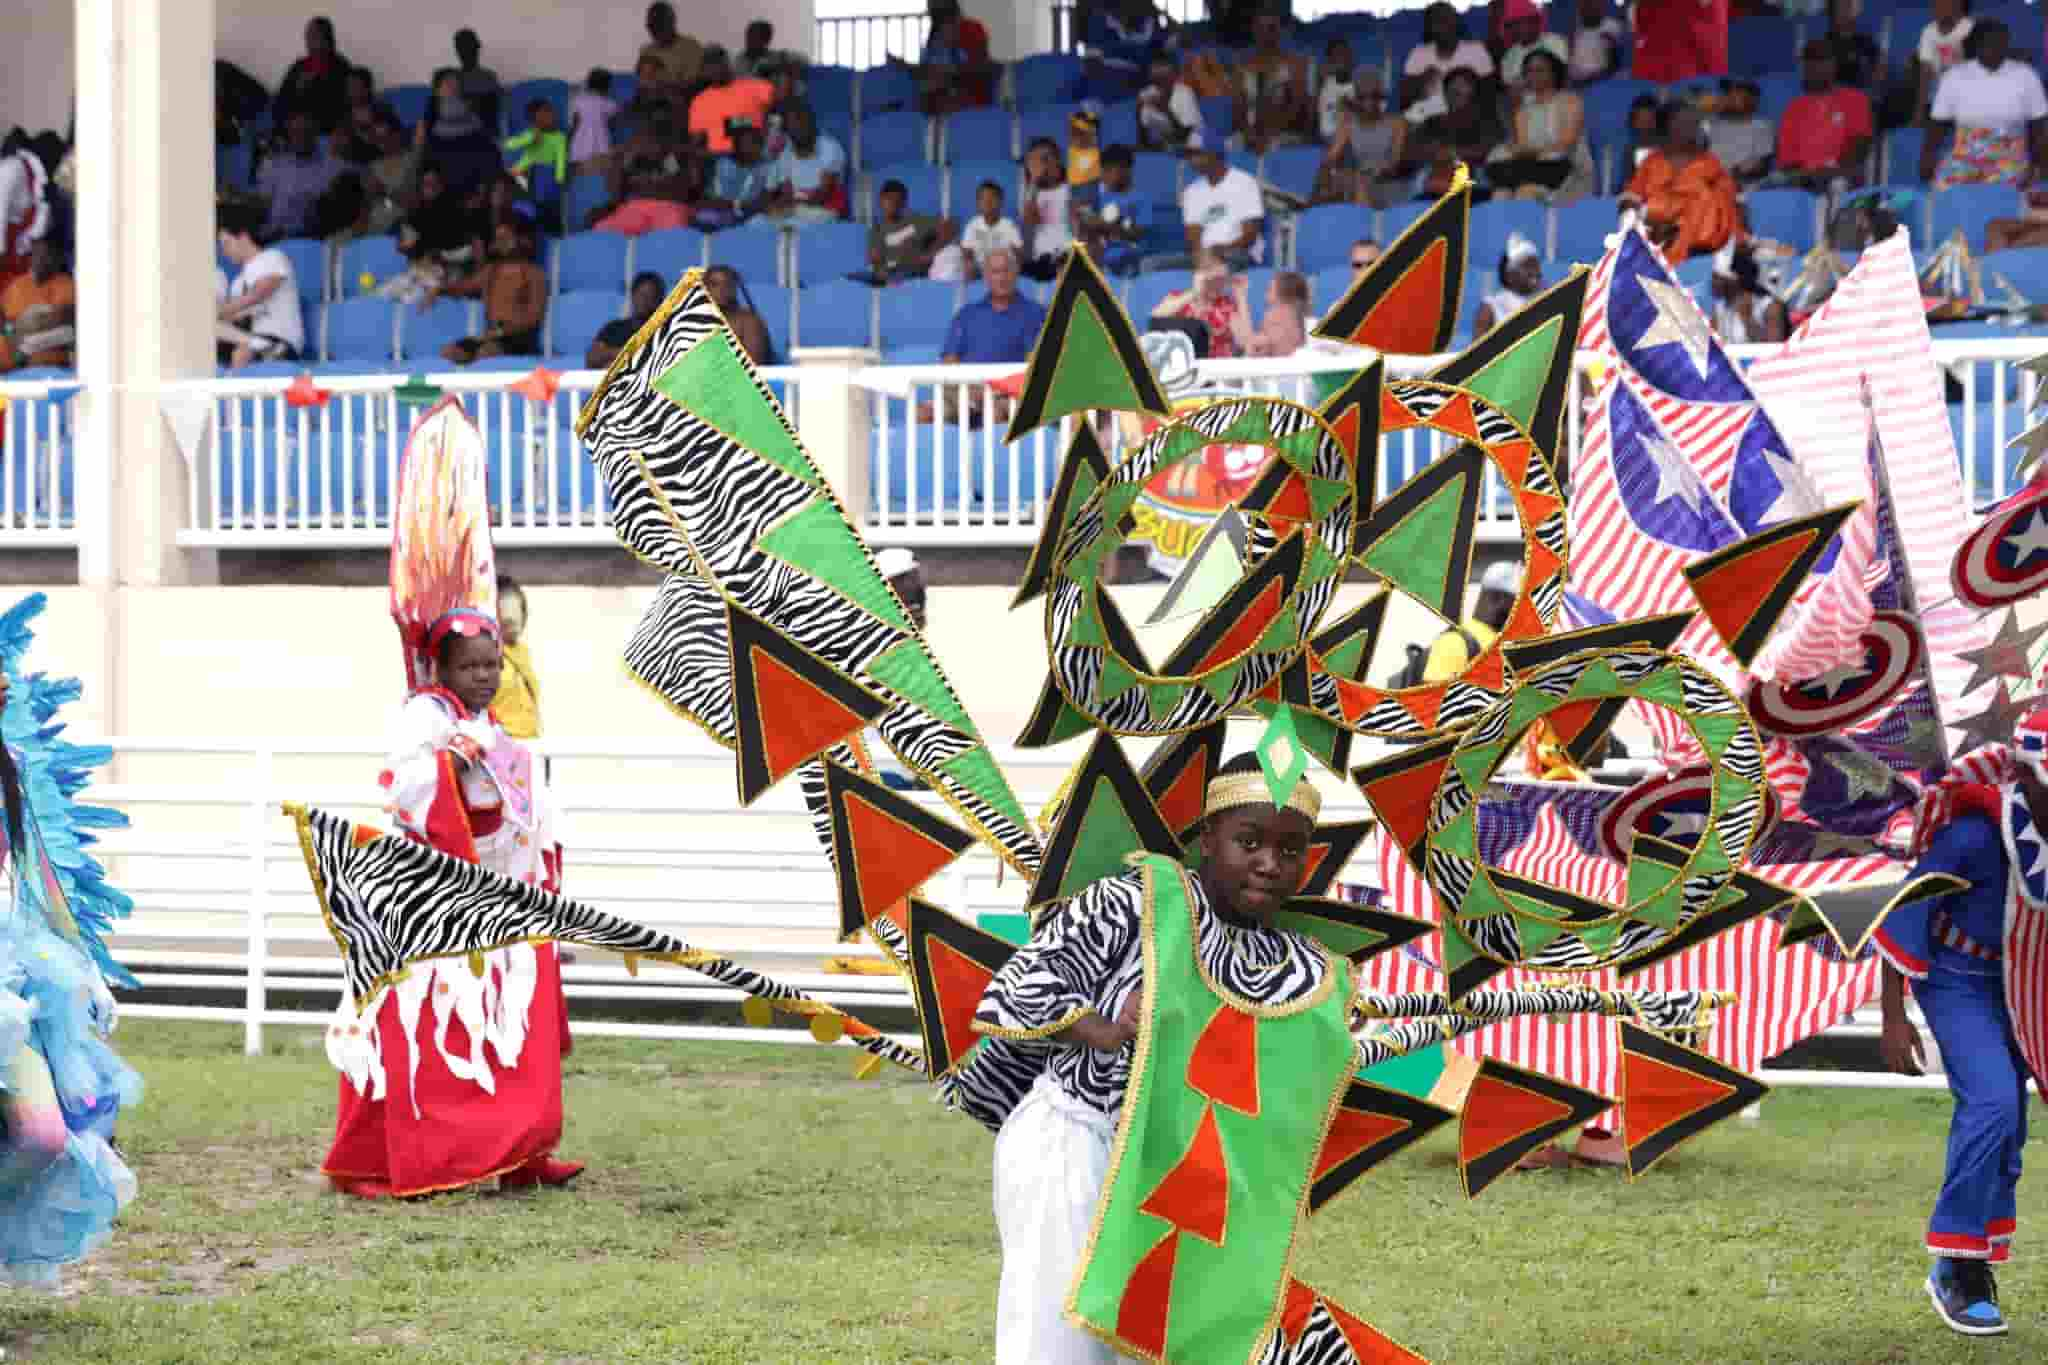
1521	279
1457	647
1222	205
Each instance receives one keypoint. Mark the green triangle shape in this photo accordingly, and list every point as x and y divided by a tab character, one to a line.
909	670
1728	788
712	384
1482	901
1599	938
976	771
1514	381
1222	683
1323	494
1528	706
1087	371
1161	698
1252	427
1342	939
1345	659
1085	628
1318	563
1709	856
1318	736
1107	836
1461	835
1284	634
1663	910
1646	877
816	539
1598	681
1536	934
1415	555
1715	732
1665	687
1476	765
1457	950
1117	678
1066	721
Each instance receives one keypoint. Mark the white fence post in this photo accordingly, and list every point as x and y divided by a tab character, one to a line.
259	899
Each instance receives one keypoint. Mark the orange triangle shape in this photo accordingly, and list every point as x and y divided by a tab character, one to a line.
1423	704
1456	417
1536	507
1401	800
1523	623
1148	1296
1195	1195
1514	459
890	859
1367	1343
365	834
1733	593
1295	1308
1395	415
1568	721
1314	860
1404	320
1496	1113
1351	1132
1290	507
1354	699
1225	1063
1489	670
807	720
958	981
1543	562
1181	803
1347	428
1246	630
1655	1094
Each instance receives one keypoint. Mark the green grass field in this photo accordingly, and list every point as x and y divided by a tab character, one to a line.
756	1204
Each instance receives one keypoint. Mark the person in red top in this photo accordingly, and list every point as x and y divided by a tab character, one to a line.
726	101
1826	130
1678	40
954	71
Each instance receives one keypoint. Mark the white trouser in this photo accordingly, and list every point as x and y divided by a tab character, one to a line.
1052	1159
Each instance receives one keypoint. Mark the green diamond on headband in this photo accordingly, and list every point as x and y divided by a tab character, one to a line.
1282	757
417	390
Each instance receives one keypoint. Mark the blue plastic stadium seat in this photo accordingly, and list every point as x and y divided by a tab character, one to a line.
1323	234
1032	462
577	318
1786	215
1148	289
1969	207
585	195
963	182
916	468
309	265
597	260
979	135
1045	120
361	331
1046	78
916	312
753	249
423	332
777	307
1293	169
1120	124
835	313
829	89
232	165
2025	268
1491	224
409	102
1156	174
376	259
1398	218
1902	156
1327	286
828	251
667	253
924	184
1582	229
885	88
886	138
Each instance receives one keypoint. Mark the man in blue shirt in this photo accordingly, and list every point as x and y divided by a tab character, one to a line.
1000	328
1952	948
1116	223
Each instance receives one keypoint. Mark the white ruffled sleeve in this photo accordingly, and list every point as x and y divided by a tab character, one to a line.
412	770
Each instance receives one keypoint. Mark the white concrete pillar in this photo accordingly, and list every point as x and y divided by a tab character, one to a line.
145	268
833	418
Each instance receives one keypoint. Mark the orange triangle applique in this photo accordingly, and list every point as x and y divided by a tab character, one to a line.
1402	799
1294	1310
1489	670
1354	699
1246	630
1351	1132
1514	460
1655	1095
958	981
1523	623
1181	803
1271	691
1225	1063
1290	507
1732	594
890	859
1536	507
1404	320
1195	1195
363	835
1456	417
897	914
1347	428
1366	1341
1568	721
807	720
1423	703
1148	1295
1542	562
1395	415
1496	1113
1313	860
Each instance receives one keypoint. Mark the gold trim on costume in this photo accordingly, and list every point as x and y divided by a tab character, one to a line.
1249	789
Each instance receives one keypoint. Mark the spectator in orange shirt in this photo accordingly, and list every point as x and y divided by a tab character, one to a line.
38	310
727	100
1686	195
1825	131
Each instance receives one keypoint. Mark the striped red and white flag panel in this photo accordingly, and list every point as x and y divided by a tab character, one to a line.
2026	978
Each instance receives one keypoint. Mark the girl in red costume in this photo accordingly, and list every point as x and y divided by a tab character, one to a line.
456	1076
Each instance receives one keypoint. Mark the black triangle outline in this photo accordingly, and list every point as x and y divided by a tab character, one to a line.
1467	463
1759	897
926	922
1432	750
1482	1170
1105	761
1395	929
1447	219
842	782
1847	916
1422	1117
1645	632
1038	729
1361	391
1341	840
1084	452
1283	564
1746	1090
747	632
1080	279
1749	639
1567	301
1170	760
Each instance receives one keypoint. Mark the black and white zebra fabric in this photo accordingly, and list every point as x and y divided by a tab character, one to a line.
692	500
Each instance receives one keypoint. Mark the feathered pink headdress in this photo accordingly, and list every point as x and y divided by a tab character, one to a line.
443	569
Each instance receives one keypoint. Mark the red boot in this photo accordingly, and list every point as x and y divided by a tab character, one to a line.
542	1170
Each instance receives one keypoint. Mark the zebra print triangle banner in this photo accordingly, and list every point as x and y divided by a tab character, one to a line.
391	902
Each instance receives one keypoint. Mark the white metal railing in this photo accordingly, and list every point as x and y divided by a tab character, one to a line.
270	475
862	41
223	904
36	503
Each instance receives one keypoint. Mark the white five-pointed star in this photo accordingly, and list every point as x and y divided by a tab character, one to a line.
1797	497
1836	678
2028	842
1679	823
1678	323
1675	478
2031	541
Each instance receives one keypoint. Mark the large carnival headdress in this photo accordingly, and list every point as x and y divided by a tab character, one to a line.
443	571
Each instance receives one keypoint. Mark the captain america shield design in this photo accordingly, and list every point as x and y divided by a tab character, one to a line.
1670	806
2006	558
1846	693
